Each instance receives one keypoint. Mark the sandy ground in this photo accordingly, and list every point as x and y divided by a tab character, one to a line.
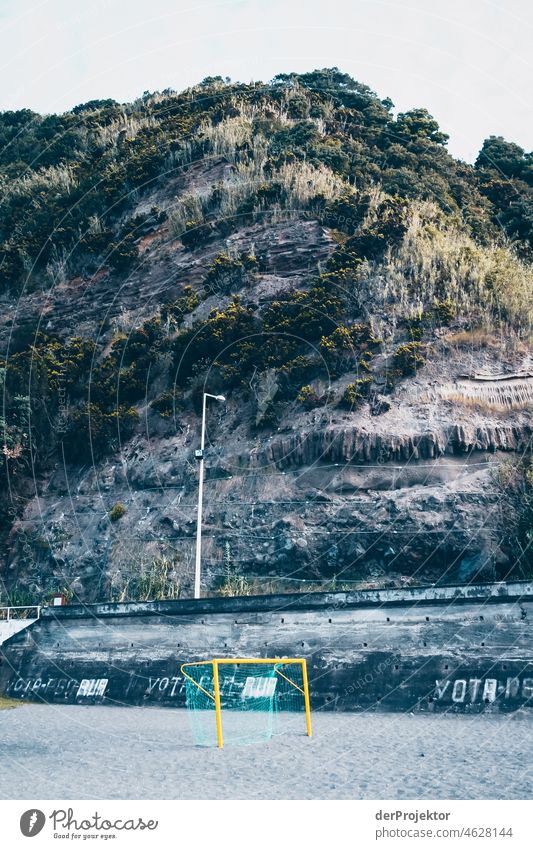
73	752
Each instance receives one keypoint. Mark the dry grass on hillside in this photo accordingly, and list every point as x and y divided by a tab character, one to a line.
438	260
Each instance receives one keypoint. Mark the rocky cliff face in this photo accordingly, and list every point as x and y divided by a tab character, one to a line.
324	496
371	461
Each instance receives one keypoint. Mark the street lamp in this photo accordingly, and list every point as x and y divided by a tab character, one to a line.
199	454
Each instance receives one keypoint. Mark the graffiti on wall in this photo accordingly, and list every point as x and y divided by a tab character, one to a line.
453	691
169	687
92	687
483	690
48	688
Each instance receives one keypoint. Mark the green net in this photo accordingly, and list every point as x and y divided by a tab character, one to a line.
289	704
256	701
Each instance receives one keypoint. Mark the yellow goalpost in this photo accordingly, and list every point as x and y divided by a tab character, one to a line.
254	686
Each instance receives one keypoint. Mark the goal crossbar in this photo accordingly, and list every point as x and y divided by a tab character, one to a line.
272	661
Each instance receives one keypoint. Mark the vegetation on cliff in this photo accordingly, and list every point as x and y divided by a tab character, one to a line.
420	241
70	181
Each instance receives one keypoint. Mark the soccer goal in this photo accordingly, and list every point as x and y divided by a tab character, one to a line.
240	700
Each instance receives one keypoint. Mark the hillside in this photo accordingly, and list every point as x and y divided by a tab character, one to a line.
363	300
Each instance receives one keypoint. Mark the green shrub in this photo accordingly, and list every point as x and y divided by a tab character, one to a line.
165	404
178	309
409	358
117	511
346	213
415	327
308	398
365	361
373	226
304	315
228	336
92	432
227	272
355	393
346	345
196	233
123	254
294	374
444	312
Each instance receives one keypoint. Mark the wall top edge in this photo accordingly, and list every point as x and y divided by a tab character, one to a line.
459	594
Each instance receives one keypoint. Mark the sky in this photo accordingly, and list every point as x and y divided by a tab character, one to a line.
468	61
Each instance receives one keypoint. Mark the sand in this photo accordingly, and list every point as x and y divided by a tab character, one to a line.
74	752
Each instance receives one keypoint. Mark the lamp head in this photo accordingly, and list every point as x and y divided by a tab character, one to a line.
220	397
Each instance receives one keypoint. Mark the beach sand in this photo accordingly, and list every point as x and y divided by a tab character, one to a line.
97	752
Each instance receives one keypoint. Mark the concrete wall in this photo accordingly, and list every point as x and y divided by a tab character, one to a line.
433	649
7	629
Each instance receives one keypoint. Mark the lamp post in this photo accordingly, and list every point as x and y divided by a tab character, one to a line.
200	456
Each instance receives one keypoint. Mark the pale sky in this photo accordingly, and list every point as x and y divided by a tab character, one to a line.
468	61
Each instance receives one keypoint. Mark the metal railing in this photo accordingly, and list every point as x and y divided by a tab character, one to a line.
7	614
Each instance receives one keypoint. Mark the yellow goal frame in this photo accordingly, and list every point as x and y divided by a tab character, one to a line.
215	696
